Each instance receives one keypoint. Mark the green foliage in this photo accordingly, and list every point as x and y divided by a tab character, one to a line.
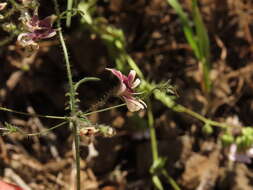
245	140
9	128
197	37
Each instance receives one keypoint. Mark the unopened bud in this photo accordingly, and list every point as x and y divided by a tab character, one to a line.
207	129
227	139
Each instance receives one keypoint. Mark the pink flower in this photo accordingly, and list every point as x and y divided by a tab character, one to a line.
244	157
37	30
126	90
2	6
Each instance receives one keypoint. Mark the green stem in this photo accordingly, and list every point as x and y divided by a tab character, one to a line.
154	145
202	118
33	115
171	181
152	132
69	14
72	100
47	130
103	110
86	79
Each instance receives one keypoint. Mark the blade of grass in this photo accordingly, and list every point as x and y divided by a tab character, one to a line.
186	23
203	44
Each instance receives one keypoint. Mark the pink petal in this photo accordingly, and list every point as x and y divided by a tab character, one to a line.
116	73
131	76
122	89
47	22
8	186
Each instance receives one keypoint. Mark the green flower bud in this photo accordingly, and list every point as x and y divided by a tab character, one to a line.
227	139
207	129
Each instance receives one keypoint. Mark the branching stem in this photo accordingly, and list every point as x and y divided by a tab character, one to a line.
72	100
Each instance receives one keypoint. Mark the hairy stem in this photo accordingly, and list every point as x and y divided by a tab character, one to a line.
154	145
72	100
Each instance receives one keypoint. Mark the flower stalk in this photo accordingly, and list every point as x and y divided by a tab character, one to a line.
72	100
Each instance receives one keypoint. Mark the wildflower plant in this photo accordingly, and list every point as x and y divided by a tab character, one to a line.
36	29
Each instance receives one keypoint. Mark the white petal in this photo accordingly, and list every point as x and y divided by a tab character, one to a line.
250	152
136	83
133	104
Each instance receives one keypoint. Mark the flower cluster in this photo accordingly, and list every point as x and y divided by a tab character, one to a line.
36	30
126	90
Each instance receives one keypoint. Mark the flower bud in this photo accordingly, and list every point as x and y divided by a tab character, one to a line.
227	139
207	129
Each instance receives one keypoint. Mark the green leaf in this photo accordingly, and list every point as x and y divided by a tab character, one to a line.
188	31
203	44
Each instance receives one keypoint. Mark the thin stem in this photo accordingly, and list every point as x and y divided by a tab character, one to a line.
86	79
33	115
69	14
72	100
171	181
152	132
103	110
66	58
201	118
154	145
77	151
47	130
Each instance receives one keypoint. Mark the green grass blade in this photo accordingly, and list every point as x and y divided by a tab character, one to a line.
189	33
203	44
